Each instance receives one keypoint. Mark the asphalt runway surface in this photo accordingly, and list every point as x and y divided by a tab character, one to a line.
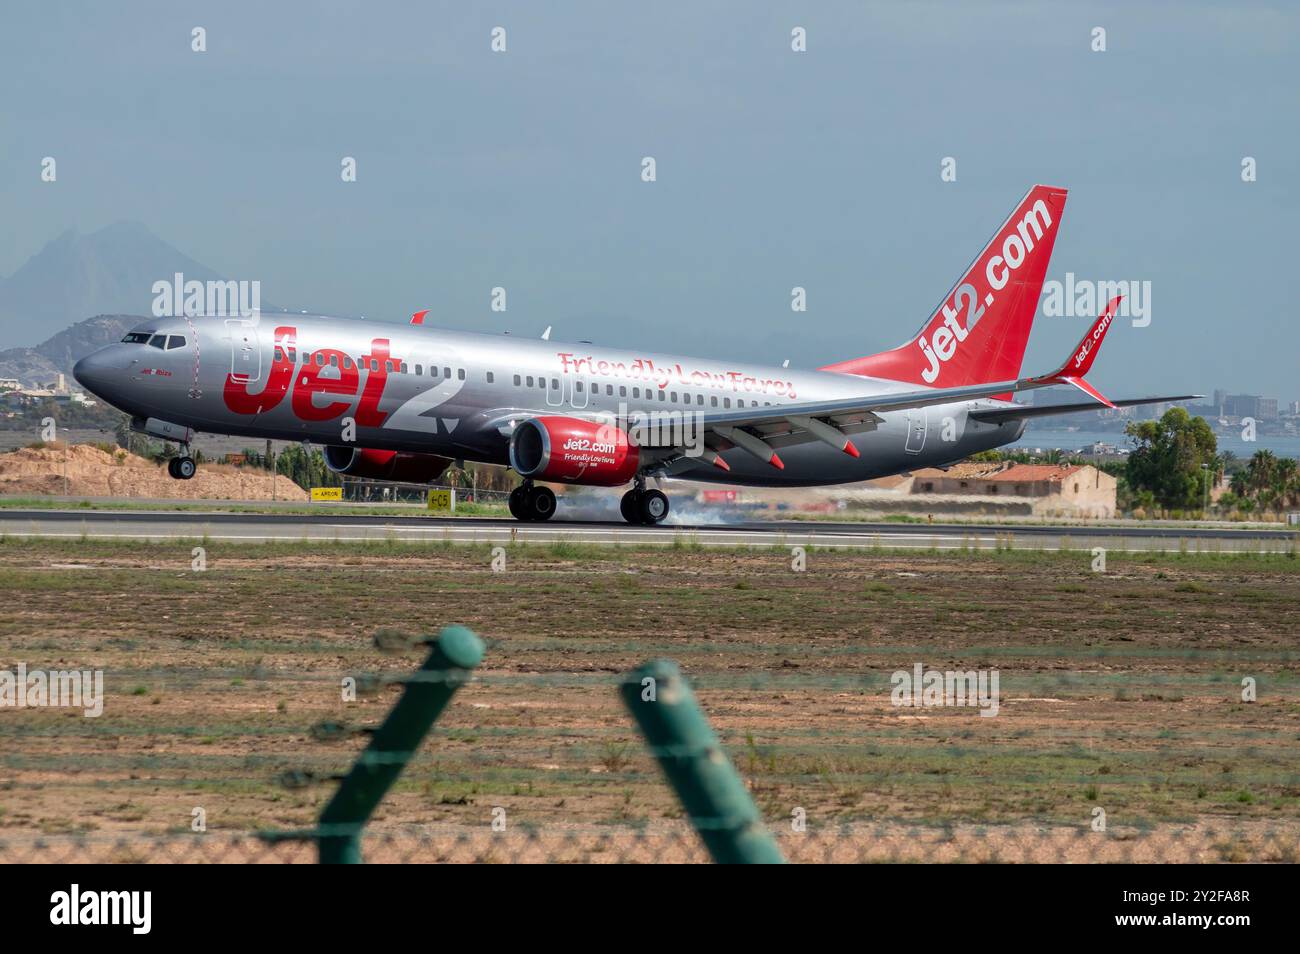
329	527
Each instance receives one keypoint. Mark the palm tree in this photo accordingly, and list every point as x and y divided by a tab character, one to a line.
1261	468
1283	472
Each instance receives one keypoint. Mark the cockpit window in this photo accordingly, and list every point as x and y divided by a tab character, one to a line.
158	341
175	341
137	337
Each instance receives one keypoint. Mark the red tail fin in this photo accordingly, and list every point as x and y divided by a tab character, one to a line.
979	332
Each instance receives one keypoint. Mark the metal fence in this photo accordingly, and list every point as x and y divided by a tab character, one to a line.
359	490
679	844
720	821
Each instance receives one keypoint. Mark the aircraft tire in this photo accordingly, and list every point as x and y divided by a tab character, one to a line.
540	503
516	504
653	507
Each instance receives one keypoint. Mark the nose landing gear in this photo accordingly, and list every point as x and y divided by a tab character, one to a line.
183	467
531	503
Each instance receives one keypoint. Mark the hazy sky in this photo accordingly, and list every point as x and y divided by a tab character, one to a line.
775	168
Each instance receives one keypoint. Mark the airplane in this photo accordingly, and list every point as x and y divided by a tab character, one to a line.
401	402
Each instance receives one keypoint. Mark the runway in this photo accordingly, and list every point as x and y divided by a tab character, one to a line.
343	528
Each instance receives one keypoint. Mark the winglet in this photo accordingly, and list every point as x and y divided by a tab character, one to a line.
418	317
1087	389
1080	363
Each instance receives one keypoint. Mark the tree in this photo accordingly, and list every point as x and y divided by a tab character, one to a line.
1261	471
1167	459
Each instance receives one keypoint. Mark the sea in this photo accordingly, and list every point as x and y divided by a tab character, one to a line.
1283	445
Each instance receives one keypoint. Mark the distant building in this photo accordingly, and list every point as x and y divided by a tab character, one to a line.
1102	449
1058	490
1250	405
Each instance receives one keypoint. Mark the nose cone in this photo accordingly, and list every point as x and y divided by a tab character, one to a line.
94	372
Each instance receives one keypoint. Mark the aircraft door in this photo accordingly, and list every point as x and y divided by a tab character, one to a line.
918	422
555	391
245	350
577	391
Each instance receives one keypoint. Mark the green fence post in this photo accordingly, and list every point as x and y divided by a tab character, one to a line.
454	654
699	771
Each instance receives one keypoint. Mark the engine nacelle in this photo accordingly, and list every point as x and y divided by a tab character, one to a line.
397	466
573	451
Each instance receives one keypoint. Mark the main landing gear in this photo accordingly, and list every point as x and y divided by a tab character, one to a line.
183	467
643	506
529	502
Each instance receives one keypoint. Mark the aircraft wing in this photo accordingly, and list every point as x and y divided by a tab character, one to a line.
997	415
760	430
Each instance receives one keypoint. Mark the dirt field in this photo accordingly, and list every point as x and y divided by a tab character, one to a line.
84	470
1120	690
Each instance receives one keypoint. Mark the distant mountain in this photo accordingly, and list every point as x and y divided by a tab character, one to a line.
39	366
109	272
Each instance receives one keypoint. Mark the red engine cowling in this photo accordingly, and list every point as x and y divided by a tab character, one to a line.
397	466
573	451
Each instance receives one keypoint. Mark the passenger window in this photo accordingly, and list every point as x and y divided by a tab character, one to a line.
175	341
279	355
374	364
726	402
446	372
419	370
577	385
674	397
622	390
699	399
636	392
662	395
609	390
529	379
460	374
347	362
516	380
489	377
334	361
555	384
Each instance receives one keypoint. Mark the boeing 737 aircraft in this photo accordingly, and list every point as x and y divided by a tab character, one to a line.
401	402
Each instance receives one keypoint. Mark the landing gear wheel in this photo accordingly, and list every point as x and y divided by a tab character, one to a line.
517	504
653	507
539	502
171	468
628	507
185	467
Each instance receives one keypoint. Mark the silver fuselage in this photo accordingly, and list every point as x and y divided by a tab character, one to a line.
456	394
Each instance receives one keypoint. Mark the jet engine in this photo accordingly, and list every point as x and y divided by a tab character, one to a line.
385	464
573	451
